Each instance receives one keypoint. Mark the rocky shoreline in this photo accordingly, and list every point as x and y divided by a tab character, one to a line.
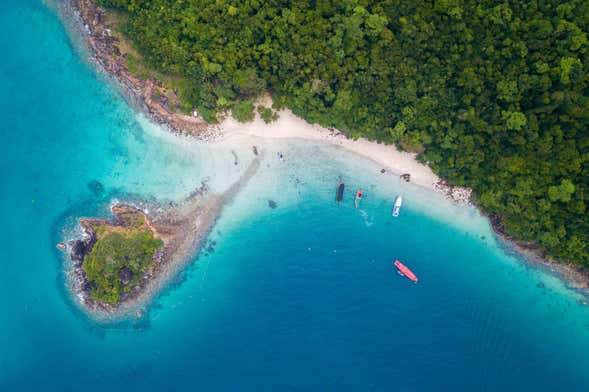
458	194
148	93
576	276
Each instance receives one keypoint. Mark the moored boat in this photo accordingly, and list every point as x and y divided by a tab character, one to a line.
405	271
397	206
339	194
358	198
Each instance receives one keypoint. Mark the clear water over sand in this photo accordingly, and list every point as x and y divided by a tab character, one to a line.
299	297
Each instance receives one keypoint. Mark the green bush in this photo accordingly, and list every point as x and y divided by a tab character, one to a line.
267	114
243	111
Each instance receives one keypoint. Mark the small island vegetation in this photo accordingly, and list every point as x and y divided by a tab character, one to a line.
492	95
117	261
117	254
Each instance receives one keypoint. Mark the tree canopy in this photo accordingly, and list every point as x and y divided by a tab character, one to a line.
117	262
493	95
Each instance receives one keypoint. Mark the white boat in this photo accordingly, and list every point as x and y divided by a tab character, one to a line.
397	207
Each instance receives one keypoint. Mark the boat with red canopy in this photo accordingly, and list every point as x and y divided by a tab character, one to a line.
405	271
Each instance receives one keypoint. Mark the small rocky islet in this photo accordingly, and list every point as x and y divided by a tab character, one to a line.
116	258
118	264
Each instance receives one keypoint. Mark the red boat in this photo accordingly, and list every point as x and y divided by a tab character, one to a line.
405	271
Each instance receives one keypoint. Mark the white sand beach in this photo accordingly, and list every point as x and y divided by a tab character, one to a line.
290	126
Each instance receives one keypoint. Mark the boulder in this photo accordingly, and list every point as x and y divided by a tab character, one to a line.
78	250
126	275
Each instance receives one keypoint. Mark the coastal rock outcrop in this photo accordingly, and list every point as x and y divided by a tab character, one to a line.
460	195
80	247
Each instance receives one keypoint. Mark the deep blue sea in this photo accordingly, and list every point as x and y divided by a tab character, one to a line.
298	297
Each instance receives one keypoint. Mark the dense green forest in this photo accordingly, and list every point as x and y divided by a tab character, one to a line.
493	95
117	262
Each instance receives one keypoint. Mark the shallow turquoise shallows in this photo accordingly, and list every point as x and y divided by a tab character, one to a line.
303	296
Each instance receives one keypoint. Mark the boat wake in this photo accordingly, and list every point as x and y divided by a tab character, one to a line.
368	220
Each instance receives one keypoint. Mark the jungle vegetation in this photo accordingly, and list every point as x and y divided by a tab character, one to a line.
493	95
117	261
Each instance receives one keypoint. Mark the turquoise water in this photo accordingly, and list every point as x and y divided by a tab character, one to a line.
301	297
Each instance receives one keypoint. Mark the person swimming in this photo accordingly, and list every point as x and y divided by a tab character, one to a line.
358	198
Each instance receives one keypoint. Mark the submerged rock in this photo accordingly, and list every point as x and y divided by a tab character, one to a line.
272	204
96	187
209	247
